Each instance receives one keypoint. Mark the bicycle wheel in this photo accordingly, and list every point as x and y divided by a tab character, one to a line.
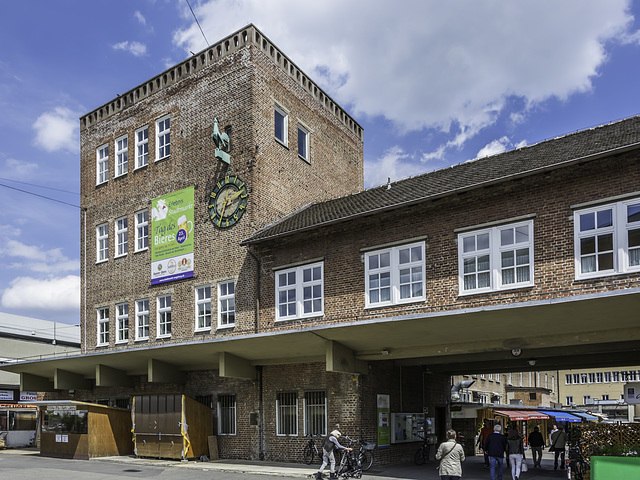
308	454
419	457
366	459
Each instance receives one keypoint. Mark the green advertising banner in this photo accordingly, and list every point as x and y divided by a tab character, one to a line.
384	424
172	236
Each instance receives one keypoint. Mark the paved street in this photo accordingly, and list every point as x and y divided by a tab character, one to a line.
29	465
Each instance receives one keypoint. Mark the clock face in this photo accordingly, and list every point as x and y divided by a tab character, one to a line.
228	201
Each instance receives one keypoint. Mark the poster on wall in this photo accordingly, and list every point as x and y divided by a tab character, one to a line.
384	425
172	236
6	395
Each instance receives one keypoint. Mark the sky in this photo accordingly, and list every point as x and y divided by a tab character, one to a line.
434	83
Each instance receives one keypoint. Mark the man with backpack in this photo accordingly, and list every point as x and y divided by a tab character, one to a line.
329	444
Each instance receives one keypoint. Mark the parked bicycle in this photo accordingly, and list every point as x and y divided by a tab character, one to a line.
365	454
349	466
311	450
423	453
577	466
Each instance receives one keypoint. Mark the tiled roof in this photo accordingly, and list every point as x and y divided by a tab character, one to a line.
550	154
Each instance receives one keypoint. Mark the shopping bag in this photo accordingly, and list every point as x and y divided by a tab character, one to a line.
524	466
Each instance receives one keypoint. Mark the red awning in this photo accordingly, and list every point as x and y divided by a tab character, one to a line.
522	414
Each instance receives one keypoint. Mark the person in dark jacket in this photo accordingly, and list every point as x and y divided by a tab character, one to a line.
495	446
536	443
515	452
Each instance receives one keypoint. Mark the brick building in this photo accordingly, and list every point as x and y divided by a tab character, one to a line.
320	302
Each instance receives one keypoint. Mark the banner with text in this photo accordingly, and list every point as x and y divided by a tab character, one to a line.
172	236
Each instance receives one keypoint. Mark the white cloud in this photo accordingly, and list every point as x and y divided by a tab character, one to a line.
53	295
395	164
34	258
449	66
136	48
140	17
58	130
19	169
497	146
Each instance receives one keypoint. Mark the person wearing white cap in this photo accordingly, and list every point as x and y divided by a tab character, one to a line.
329	444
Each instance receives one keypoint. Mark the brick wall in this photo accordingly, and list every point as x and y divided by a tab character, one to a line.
240	90
548	196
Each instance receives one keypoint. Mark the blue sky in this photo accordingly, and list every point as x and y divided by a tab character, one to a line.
433	83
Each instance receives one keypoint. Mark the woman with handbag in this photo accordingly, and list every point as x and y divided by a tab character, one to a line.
515	452
451	456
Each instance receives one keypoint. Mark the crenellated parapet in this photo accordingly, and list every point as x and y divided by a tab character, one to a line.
212	54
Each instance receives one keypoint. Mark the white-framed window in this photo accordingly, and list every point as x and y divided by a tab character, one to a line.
281	125
605	396
570	400
567	379
142	319
586	399
103	326
164	316
615	376
122	238
300	292
496	258
599	377
607	239
122	322
576	378
203	308
315	413
142	230
303	143
163	137
395	275
287	414
592	377
122	155
227	415
607	377
102	242
102	164
226	304
584	378
142	147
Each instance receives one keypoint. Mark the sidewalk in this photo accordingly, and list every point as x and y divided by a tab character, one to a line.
472	467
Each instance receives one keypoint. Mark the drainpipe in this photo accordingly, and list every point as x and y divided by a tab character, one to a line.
256	314
261	425
84	284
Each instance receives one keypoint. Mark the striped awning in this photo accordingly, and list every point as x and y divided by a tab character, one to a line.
522	414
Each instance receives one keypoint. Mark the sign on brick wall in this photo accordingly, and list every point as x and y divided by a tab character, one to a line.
172	236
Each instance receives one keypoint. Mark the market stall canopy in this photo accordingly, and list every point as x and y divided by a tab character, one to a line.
522	414
587	416
562	416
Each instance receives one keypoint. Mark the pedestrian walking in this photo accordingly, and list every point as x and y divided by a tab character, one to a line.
558	446
536	443
485	431
515	452
495	446
451	455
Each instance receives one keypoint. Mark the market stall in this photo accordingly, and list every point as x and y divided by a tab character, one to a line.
71	429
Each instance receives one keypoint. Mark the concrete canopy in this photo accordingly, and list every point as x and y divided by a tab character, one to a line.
588	330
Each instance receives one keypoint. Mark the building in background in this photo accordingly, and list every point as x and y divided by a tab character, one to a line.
600	390
24	339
